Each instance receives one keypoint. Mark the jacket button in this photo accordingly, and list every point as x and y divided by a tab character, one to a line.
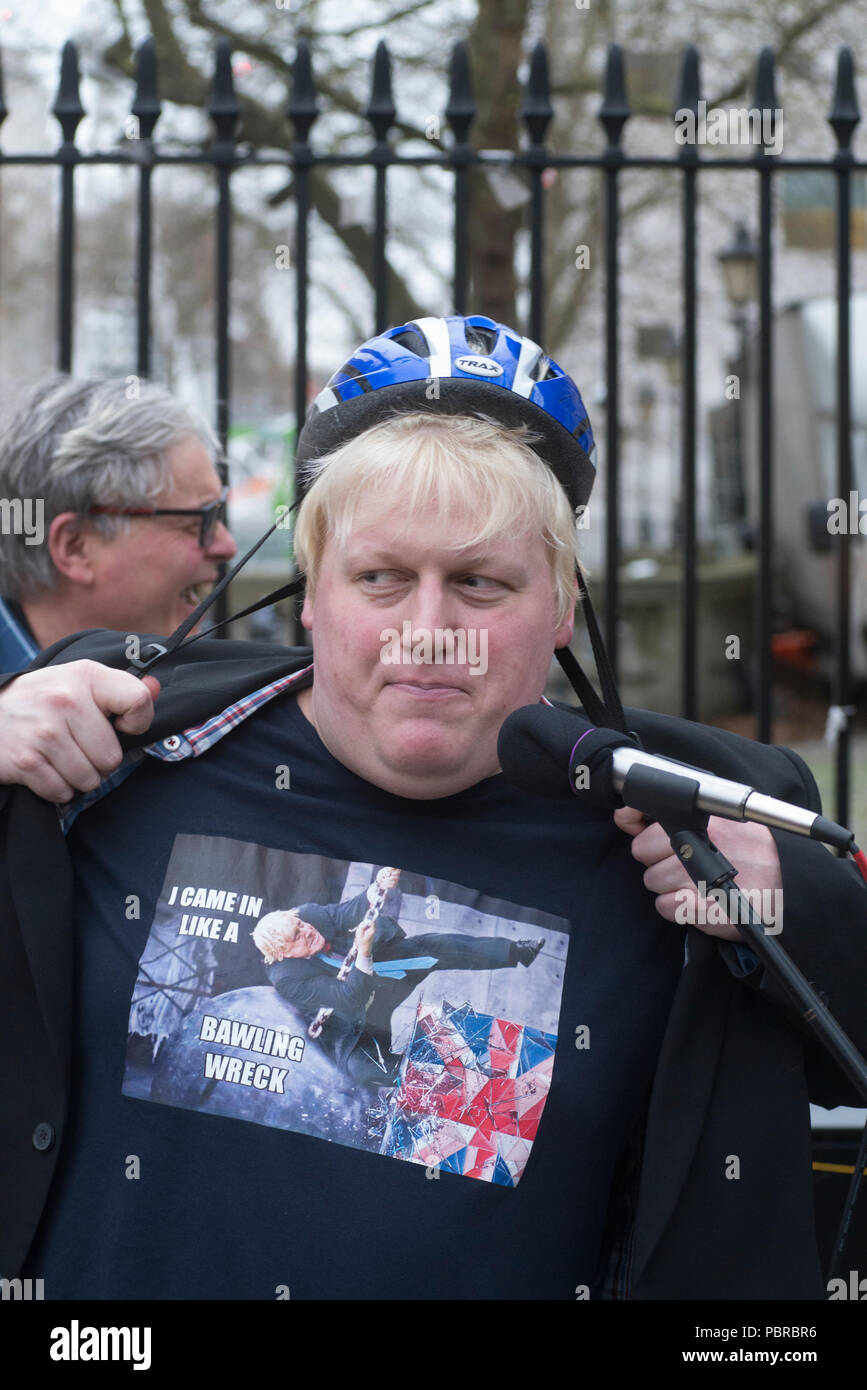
43	1137
172	743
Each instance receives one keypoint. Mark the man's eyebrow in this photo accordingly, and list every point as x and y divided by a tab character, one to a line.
358	551
199	494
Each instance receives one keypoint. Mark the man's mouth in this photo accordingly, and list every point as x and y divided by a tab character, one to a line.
194	593
429	689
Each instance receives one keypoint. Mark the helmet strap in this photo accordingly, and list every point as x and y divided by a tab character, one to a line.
139	667
607	712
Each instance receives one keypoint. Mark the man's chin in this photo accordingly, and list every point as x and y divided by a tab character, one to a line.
438	756
410	754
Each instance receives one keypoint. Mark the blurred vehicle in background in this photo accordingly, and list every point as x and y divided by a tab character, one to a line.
262	478
261	473
804	466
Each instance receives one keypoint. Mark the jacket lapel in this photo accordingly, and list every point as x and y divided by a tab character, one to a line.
40	877
681	1091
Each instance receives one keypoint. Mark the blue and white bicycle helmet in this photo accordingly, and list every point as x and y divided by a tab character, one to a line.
480	366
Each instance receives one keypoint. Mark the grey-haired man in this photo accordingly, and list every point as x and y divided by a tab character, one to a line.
114	513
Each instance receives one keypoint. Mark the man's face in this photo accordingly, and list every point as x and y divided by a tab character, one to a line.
425	730
302	938
144	581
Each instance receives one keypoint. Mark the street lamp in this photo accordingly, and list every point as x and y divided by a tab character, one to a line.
646	403
739	263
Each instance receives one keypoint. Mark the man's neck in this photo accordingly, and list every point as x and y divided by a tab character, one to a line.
305	704
50	617
20	617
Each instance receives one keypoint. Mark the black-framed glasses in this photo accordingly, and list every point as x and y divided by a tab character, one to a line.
211	515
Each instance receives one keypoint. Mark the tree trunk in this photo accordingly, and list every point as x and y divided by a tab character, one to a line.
495	52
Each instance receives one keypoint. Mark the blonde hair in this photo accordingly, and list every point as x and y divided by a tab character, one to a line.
464	465
270	935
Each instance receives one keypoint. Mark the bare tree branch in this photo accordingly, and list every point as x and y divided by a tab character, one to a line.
378	23
498	36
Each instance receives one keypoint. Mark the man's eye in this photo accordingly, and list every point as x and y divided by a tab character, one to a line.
378	576
479	581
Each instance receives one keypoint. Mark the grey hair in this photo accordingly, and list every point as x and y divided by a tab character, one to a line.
75	443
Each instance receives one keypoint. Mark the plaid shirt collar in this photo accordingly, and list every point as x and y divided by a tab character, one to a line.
189	743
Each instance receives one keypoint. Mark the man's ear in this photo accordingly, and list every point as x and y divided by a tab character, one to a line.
307	611
563	634
69	545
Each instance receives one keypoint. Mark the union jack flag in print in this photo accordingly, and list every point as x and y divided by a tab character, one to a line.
471	1093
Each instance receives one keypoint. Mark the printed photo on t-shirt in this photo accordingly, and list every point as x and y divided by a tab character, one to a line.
361	1003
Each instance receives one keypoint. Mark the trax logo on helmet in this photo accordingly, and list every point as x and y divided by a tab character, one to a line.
479	366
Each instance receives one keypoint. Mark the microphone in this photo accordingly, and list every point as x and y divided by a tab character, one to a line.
559	753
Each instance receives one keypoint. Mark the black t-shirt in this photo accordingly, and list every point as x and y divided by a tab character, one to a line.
451	1132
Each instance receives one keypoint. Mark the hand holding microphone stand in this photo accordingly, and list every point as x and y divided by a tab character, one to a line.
670	799
538	744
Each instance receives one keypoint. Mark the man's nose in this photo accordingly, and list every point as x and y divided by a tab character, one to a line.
433	604
221	545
